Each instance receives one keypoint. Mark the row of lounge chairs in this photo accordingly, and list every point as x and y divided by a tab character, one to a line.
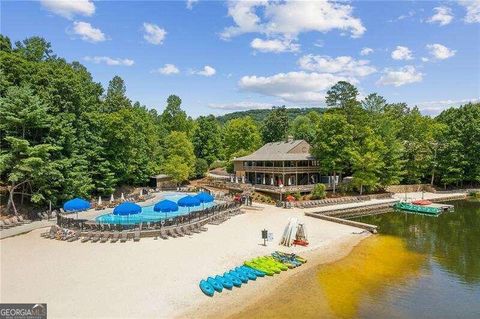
327	201
104	233
13	222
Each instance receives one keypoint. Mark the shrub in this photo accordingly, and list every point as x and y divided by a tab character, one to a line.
318	191
298	196
201	167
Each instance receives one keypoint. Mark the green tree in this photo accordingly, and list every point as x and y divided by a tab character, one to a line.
374	103
176	169
333	141
367	164
342	95
275	127
305	126
178	146
207	139
201	168
116	98
174	118
34	49
241	134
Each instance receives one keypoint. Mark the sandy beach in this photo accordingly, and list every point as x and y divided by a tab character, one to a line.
158	278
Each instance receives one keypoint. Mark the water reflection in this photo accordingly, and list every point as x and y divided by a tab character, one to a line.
378	264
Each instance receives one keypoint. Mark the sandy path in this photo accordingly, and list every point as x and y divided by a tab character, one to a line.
153	278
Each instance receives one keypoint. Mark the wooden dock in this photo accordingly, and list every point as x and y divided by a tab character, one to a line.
371	228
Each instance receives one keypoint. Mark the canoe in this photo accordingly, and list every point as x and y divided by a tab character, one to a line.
206	288
267	264
234	279
216	285
267	271
271	260
240	276
257	272
226	283
296	257
250	275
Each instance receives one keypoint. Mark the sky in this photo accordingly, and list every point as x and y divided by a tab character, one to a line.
221	57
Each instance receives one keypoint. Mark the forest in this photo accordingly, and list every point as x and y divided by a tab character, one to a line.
63	135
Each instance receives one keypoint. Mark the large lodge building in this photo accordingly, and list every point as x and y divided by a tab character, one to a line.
286	165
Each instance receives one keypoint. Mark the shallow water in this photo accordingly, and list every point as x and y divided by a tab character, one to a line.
418	267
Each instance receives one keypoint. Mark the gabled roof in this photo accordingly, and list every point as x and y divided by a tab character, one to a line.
279	151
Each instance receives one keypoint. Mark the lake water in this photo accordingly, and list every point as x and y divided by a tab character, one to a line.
417	267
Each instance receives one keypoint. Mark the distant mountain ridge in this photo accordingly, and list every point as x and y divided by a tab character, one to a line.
260	115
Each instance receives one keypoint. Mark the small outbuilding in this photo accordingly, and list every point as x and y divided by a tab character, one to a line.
162	181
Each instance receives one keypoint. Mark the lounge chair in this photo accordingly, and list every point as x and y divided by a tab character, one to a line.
171	233
178	232
136	235
96	237
3	225
10	223
163	234
87	237
123	237
23	220
186	231
75	237
193	229
115	237
105	236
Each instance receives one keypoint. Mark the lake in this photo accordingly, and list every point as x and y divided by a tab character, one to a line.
417	267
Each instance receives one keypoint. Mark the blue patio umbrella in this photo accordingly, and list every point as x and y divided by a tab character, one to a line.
188	201
166	206
204	197
127	208
76	205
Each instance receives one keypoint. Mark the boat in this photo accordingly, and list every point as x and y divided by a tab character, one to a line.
422	202
215	284
267	271
292	256
250	275
226	283
240	276
417	208
257	272
206	288
234	279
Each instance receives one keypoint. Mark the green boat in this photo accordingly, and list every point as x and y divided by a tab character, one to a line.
417	208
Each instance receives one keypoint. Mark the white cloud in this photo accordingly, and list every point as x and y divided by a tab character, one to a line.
406	75
68	9
87	32
288	19
442	16
436	107
402	53
440	52
298	87
425	59
366	51
167	69
276	45
342	65
207	71
239	106
109	61
410	14
153	33
190	4
473	10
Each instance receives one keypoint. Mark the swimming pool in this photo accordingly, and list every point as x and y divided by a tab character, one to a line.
149	215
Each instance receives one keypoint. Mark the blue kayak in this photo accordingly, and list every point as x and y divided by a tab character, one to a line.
240	275
234	279
227	283
257	272
215	284
206	288
250	274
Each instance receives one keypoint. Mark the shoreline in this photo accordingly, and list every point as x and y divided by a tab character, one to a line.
231	303
157	278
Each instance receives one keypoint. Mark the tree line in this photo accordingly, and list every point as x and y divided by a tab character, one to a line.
63	135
